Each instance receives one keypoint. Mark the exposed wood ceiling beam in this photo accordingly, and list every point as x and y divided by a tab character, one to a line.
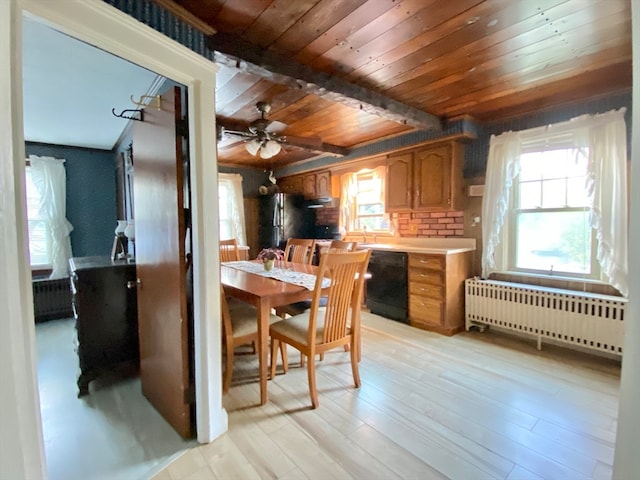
297	143
186	16
235	52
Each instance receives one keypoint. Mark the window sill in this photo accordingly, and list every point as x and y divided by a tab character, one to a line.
556	281
40	272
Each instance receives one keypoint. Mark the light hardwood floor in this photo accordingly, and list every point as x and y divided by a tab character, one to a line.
111	434
472	406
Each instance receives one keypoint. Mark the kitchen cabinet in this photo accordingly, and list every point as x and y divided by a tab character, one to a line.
311	185
106	313
291	185
425	178
436	291
317	185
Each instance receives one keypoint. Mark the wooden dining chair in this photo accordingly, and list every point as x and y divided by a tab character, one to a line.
323	328
297	308
342	246
239	327
229	251
300	250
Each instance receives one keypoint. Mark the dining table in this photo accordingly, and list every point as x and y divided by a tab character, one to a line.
245	281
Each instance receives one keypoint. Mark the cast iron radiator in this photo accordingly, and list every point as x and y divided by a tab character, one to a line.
52	299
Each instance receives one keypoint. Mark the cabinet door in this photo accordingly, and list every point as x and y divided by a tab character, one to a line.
323	184
398	182
291	184
432	178
309	185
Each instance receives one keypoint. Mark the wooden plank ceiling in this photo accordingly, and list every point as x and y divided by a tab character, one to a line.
352	72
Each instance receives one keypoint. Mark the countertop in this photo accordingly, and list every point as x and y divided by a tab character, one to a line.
397	247
437	246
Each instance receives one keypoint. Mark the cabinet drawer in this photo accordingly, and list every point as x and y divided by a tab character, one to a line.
425	310
426	290
421	275
432	262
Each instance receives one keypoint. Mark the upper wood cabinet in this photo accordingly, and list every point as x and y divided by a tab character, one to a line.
312	185
309	183
292	185
398	182
426	178
323	184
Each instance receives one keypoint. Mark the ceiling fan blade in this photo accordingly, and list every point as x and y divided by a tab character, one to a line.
276	127
238	133
229	142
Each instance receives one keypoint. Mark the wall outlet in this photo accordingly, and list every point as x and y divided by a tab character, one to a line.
413	228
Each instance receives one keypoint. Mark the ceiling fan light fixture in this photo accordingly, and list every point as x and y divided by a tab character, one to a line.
253	146
269	149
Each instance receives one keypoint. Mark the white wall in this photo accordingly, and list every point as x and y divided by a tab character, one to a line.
95	22
627	454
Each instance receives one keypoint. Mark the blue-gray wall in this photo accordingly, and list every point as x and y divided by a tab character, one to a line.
476	152
91	195
252	178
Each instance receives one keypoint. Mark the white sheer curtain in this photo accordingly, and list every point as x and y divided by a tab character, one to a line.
604	136
49	177
502	167
607	188
232	184
348	195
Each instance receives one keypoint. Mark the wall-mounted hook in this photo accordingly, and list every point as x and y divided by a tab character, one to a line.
152	99
136	115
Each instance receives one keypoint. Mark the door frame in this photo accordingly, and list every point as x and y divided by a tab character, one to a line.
105	27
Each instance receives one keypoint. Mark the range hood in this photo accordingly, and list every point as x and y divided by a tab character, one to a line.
322	202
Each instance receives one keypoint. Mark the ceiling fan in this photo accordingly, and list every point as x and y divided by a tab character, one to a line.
263	137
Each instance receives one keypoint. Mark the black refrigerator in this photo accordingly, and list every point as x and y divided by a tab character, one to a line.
284	216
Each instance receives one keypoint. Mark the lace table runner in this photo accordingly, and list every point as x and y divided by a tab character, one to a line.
306	280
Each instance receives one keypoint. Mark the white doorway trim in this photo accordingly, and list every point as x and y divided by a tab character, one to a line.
105	27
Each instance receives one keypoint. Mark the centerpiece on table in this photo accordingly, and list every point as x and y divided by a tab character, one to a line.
270	255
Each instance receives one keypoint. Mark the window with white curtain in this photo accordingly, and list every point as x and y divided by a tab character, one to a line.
39	231
231	207
49	236
362	201
555	201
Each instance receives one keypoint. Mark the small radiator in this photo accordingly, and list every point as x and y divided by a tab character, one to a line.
585	319
52	299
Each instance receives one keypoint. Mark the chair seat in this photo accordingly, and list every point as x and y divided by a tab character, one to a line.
243	318
297	327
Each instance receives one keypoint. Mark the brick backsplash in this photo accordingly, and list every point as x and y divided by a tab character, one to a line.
411	224
431	224
328	216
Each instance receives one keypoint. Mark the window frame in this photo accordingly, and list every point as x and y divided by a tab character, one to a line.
511	233
369	176
350	223
36	268
228	221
